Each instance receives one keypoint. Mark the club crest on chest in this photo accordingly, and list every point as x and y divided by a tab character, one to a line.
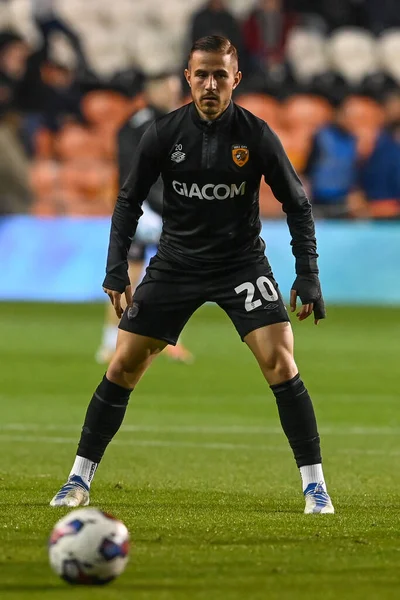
240	154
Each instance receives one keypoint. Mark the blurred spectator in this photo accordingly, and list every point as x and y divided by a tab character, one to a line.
381	14
15	196
162	94
379	175
338	13
331	169
48	21
215	19
49	96
265	32
392	114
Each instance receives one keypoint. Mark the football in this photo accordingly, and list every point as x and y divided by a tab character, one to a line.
89	547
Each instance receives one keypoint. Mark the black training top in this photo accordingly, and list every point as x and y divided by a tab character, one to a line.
211	173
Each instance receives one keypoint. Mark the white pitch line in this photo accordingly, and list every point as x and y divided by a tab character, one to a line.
205	398
177	444
209	430
146	443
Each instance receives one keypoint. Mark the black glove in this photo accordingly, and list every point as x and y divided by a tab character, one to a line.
308	288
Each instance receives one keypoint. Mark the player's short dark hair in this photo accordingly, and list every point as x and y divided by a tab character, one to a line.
214	43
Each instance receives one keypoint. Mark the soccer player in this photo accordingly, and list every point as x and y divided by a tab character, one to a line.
211	155
162	92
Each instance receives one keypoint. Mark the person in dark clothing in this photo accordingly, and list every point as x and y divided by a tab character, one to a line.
215	19
379	177
48	21
162	92
391	105
265	32
15	192
211	155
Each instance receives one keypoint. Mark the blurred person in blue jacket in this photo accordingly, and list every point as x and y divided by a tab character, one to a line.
331	169
379	174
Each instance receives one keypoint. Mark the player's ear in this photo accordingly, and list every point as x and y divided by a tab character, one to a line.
238	79
187	76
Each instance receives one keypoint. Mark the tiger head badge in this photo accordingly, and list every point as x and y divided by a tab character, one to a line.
240	155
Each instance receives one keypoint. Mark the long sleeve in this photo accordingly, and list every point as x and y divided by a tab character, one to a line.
286	186
144	171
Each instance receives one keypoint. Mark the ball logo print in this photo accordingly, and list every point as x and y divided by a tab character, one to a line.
240	155
69	529
88	547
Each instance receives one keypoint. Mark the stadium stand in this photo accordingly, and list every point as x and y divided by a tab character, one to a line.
324	62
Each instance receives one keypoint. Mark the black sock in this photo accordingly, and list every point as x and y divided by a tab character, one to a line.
104	416
298	421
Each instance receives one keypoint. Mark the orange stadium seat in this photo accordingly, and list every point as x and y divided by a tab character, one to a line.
77	142
302	115
360	112
297	145
44	180
88	187
43	143
270	208
105	109
304	111
263	106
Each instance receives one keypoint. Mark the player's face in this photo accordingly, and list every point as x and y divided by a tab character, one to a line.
212	78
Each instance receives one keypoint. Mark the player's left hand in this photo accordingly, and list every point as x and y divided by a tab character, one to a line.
308	289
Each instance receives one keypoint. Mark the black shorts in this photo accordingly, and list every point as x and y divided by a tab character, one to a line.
168	296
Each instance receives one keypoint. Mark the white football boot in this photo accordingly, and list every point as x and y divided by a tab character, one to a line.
73	493
317	500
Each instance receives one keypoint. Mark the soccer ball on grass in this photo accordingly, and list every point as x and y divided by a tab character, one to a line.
89	547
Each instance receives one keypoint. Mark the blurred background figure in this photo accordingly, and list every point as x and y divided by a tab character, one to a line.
391	107
80	76
15	193
162	93
265	33
331	169
215	18
48	20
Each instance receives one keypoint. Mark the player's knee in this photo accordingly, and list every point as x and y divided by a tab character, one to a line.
278	367
127	371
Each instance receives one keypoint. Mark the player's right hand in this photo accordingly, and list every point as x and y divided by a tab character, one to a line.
115	299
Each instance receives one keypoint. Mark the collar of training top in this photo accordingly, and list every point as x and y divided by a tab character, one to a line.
221	122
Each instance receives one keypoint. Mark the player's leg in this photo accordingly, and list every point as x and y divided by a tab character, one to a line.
106	411
252	300
272	347
162	305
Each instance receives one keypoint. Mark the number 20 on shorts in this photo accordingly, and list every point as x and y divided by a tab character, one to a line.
267	290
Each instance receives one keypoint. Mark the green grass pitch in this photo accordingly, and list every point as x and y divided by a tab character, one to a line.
201	472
